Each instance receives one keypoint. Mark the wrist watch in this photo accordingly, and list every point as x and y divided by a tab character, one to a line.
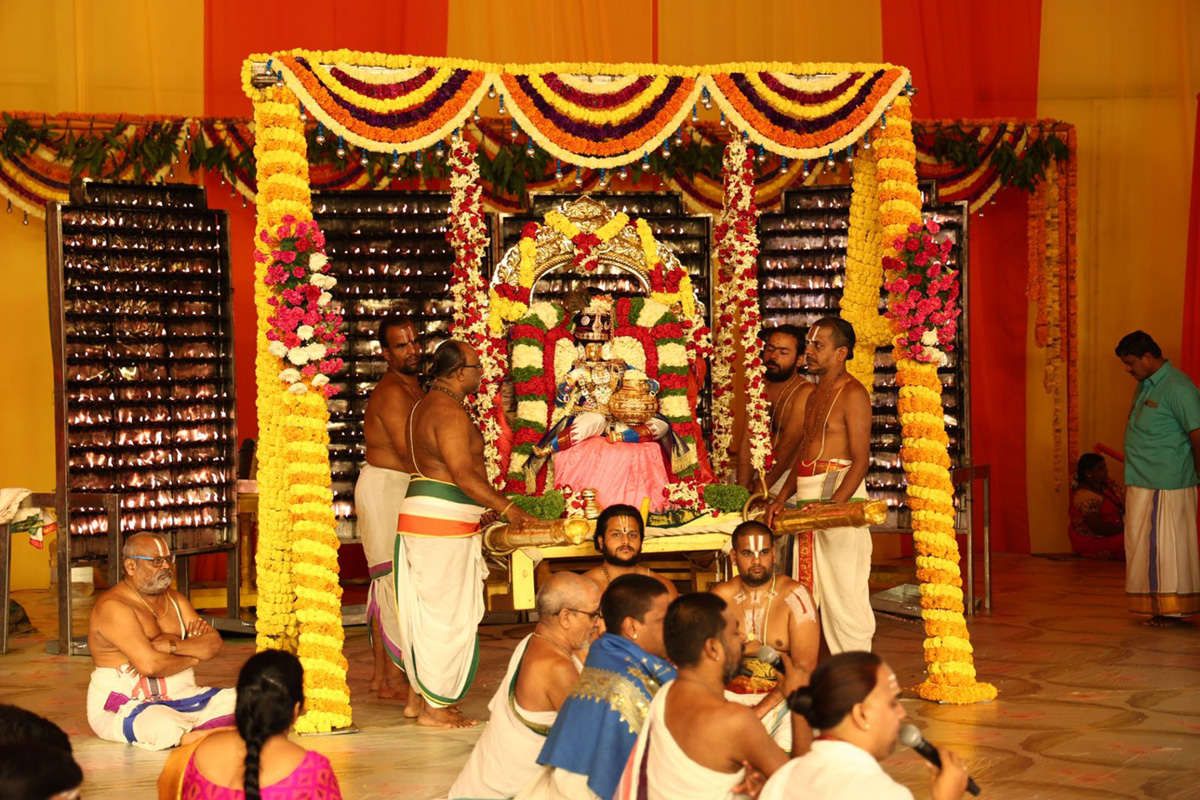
172	647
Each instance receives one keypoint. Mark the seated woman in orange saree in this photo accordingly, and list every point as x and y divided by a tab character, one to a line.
1097	526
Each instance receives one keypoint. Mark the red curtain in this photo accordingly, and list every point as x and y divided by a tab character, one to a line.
978	60
1189	357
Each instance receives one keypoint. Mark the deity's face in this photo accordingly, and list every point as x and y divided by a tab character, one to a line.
593	351
780	354
621	542
754	554
403	351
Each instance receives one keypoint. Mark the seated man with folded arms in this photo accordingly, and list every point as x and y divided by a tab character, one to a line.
695	743
599	721
777	612
543	669
145	638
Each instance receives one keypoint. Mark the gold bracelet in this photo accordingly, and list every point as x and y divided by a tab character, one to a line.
511	503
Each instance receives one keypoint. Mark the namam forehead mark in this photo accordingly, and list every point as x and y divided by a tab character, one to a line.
405	334
145	541
755	542
626	526
812	334
893	685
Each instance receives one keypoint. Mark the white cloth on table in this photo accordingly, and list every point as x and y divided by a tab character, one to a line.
833	770
153	713
378	497
1162	568
505	757
841	571
659	769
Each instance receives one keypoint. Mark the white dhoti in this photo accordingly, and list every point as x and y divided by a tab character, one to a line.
1162	570
439	571
658	769
777	721
552	783
153	713
840	564
505	758
378	496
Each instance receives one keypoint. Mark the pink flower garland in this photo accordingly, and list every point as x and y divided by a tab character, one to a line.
924	311
303	331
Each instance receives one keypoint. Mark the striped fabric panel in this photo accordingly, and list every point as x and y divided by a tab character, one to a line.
436	508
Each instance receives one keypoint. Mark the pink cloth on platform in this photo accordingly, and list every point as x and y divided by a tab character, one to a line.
620	472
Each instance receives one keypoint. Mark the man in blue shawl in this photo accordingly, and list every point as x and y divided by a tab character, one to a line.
601	718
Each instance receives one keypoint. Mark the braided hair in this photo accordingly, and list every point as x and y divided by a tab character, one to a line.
269	686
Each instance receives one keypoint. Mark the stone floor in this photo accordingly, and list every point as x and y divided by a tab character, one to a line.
1092	704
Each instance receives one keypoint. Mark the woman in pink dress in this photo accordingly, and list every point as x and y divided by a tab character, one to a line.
1097	528
258	760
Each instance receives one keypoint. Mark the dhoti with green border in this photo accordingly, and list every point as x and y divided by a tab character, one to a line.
439	570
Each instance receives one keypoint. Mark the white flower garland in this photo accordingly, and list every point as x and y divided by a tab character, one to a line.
469	291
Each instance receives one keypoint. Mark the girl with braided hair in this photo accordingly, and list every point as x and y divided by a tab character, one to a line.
257	761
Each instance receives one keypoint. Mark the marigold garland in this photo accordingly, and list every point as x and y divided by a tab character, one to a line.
299	606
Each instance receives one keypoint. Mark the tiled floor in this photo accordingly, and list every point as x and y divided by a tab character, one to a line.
1092	704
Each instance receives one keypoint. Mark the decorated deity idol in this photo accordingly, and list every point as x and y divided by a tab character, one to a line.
602	395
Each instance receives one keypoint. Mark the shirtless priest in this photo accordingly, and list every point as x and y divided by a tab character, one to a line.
379	493
787	392
145	638
541	673
695	743
776	611
438	564
620	533
835	452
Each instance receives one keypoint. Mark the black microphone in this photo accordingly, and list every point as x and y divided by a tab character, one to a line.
910	736
769	655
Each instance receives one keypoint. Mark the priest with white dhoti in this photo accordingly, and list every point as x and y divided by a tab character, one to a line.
438	563
541	674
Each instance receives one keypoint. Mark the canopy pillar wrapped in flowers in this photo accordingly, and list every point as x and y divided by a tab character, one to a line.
609	116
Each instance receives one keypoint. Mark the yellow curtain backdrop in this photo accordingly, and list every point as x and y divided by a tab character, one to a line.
717	31
133	56
535	30
1126	74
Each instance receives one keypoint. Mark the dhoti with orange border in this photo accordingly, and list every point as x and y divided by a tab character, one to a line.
835	563
439	571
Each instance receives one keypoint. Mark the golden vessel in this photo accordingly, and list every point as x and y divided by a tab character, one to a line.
633	403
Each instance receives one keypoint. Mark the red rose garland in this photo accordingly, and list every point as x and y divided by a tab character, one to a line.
924	310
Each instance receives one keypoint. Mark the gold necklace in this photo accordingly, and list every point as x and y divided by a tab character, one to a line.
608	578
555	645
147	605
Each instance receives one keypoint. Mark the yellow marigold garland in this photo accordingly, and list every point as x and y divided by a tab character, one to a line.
948	652
299	598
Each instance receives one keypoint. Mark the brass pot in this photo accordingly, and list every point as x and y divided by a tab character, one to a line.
633	403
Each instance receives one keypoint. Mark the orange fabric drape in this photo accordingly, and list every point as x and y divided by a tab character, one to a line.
981	60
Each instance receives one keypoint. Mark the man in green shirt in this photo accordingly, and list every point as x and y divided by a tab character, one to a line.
1162	462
